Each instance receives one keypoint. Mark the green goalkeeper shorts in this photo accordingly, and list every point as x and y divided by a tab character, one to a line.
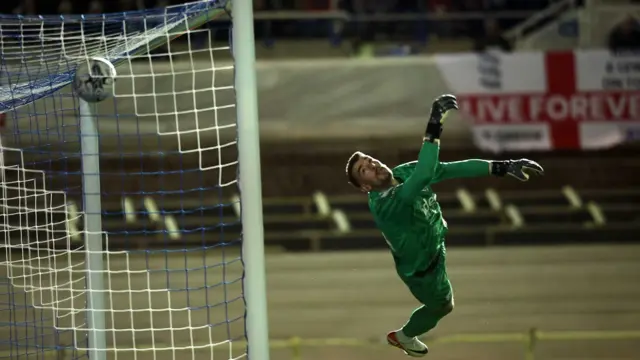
432	287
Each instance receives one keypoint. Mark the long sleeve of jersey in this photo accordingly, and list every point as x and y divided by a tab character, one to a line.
461	169
423	174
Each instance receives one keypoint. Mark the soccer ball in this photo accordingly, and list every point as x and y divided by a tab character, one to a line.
94	79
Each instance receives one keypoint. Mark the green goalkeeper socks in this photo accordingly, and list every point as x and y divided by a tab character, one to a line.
422	320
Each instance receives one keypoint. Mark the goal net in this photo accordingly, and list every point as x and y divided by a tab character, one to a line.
130	250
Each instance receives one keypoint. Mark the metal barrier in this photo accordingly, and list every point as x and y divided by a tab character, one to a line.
529	340
384	17
339	20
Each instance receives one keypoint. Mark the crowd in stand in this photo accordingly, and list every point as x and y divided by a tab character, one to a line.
361	31
480	24
356	6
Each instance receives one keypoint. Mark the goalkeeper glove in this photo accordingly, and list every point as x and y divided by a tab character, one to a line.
439	111
519	169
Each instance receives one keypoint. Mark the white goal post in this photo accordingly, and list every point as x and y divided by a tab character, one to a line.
119	236
251	188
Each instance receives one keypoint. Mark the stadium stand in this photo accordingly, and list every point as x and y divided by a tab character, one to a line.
297	223
572	205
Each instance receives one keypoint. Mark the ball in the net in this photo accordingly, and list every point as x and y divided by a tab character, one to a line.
94	80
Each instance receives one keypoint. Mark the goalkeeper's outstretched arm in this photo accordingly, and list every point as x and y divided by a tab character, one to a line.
519	169
462	169
423	173
429	170
426	166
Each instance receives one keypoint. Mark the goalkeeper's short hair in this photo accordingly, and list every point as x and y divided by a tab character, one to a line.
349	169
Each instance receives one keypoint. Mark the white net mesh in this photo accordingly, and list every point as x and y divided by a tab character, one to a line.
172	266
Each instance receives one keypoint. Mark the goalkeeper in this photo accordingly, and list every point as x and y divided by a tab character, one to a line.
407	213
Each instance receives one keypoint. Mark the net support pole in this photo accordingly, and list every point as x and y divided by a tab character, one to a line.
93	231
243	45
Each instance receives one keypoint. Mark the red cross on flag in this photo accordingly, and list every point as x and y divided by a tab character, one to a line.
543	101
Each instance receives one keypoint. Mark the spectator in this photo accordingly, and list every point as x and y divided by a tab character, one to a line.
9	6
95	7
65	7
366	31
625	37
441	26
128	5
493	39
474	26
25	7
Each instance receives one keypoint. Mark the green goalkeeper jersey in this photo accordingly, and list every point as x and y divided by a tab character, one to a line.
408	213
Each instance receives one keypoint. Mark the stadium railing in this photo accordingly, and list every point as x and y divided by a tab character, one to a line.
335	24
345	16
529	340
539	19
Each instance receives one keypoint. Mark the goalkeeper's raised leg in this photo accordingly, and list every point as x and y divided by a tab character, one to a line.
407	213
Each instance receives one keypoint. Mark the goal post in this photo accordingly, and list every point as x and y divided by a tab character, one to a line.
243	40
92	208
120	237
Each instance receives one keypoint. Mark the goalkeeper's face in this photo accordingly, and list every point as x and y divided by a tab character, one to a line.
370	174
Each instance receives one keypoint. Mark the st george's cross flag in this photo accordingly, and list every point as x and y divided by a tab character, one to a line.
546	101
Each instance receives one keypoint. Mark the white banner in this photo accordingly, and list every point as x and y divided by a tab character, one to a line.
543	101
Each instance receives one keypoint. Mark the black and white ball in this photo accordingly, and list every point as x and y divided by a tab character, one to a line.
95	79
